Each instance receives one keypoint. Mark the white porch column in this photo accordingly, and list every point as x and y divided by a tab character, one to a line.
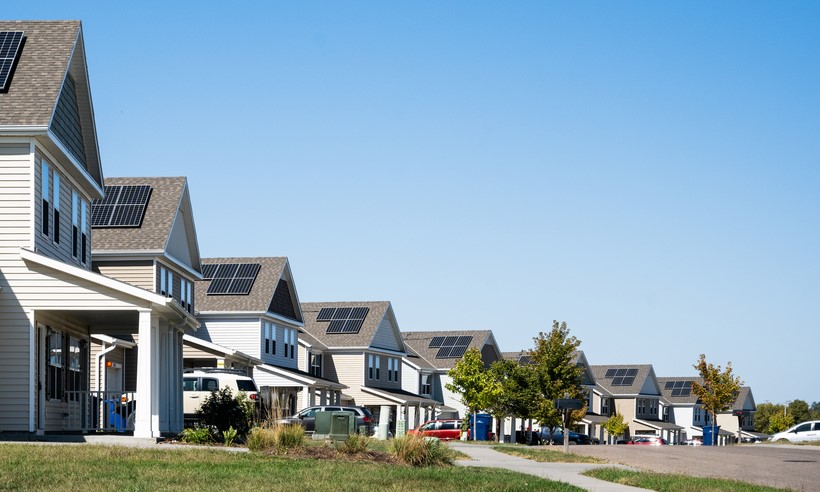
177	422
146	421
306	396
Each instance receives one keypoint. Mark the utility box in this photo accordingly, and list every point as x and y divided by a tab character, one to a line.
342	425
322	423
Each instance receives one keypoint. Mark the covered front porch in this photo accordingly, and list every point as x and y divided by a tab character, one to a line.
286	391
106	356
407	410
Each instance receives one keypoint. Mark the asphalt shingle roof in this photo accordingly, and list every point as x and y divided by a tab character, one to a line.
678	400
419	341
378	310
166	195
598	372
39	75
259	298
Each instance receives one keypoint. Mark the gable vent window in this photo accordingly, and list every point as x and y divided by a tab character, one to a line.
45	193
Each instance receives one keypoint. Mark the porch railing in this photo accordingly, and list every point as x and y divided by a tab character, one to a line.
103	411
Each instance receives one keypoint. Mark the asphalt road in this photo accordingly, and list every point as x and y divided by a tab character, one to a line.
785	466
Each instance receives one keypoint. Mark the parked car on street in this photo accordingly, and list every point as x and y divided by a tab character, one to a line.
692	442
444	429
647	441
804	431
558	437
307	417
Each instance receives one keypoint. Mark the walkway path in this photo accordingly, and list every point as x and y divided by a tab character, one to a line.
563	472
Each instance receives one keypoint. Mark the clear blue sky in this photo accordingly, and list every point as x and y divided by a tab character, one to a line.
646	171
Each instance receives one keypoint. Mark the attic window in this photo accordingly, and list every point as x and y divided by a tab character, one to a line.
123	206
10	43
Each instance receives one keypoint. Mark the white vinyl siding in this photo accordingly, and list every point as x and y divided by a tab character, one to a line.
243	335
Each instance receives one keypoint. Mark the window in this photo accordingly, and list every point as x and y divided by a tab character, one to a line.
589	400
162	274
697	415
189	384
270	338
370	367
170	283
166	282
44	193
185	294
74	377
210	384
54	369
315	365
641	406
290	343
425	384
75	223
83	230
604	406
392	369
378	360
653	407
56	200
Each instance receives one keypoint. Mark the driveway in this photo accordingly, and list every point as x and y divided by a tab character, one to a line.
775	465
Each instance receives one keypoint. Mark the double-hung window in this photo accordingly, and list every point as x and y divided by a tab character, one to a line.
54	369
75	223
84	230
166	282
185	294
315	365
270	338
425	384
45	193
56	200
370	367
378	360
290	343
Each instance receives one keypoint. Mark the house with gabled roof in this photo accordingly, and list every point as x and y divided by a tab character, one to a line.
363	350
251	305
635	394
442	349
54	305
739	420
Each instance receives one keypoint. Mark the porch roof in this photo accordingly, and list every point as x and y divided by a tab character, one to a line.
300	377
399	396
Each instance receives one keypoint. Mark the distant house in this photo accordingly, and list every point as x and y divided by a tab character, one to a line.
741	417
633	392
363	349
441	350
55	306
251	306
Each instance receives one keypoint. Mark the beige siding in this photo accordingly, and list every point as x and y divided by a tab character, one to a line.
139	274
347	369
15	336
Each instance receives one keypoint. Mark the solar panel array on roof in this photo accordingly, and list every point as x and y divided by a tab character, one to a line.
621	377
343	319
453	347
231	278
123	206
525	360
10	42
679	388
436	342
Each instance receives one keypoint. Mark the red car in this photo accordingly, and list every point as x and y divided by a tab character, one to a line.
648	441
443	429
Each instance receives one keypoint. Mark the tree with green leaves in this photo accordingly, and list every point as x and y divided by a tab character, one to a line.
516	391
472	381
615	427
779	422
555	375
719	389
799	410
763	414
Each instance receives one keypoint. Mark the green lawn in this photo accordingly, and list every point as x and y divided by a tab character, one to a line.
539	453
668	482
110	468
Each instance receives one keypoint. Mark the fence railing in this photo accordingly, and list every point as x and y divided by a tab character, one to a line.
106	411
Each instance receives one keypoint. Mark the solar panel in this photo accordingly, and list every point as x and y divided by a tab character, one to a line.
679	388
436	342
123	206
623	380
631	372
451	347
232	278
208	271
343	319
610	373
325	314
10	42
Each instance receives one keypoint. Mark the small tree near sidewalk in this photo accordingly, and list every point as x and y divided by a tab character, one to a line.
472	381
719	389
615	427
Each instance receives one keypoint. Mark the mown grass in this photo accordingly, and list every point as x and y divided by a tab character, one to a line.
545	455
88	467
668	482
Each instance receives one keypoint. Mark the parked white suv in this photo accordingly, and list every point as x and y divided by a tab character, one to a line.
197	385
806	431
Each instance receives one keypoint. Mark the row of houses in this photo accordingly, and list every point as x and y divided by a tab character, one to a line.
104	295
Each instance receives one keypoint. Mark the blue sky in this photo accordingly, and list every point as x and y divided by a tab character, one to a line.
645	171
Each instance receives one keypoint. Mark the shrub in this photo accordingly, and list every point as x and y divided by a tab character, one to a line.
355	444
222	411
196	435
261	438
289	436
416	450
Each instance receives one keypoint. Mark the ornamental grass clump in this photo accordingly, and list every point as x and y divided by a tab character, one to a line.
355	444
416	450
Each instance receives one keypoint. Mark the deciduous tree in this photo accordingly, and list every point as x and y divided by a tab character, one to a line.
472	381
615	427
719	389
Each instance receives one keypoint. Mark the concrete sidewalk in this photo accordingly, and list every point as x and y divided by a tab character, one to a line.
562	472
